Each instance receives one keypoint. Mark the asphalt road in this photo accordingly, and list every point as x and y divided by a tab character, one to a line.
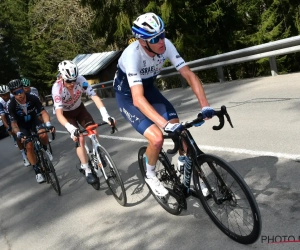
263	146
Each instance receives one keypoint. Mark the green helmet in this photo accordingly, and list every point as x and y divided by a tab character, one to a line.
26	82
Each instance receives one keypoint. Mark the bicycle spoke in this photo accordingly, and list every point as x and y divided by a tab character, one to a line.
171	202
236	209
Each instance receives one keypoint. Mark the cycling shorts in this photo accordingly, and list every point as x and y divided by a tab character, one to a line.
34	125
80	116
136	118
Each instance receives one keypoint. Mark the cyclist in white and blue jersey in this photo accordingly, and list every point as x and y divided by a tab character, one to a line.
5	96
139	101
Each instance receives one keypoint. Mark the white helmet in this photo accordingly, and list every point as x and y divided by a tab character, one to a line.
147	26
4	89
68	70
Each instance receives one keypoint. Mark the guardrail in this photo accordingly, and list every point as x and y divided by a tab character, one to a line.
102	86
268	50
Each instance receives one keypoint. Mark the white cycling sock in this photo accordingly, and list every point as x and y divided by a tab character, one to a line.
23	154
86	168
150	171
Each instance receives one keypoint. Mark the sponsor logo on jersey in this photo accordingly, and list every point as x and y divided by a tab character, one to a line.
178	56
132	74
179	64
57	99
147	70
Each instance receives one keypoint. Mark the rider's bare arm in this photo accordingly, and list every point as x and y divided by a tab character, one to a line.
195	84
96	99
14	127
139	100
60	117
45	115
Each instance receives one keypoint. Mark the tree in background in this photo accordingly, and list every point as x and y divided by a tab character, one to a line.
59	30
35	35
202	28
13	38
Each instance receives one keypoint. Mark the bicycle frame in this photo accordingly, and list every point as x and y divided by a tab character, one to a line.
89	131
194	152
95	143
35	139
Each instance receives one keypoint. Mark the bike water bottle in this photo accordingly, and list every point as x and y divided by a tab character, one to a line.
187	172
180	164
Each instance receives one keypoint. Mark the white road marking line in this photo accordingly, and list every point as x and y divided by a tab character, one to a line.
212	148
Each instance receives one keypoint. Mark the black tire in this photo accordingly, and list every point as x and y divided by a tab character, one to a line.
237	214
171	202
40	159
49	147
50	173
112	176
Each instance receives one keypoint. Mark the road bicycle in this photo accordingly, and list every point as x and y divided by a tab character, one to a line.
230	202
102	165
44	164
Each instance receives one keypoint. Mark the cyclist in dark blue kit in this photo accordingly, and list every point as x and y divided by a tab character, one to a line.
139	101
23	109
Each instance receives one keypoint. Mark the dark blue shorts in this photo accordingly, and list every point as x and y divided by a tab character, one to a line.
136	118
34	125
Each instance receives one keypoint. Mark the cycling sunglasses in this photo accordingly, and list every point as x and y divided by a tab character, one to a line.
155	40
20	91
70	81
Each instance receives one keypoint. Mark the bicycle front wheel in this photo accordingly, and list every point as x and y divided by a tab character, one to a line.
50	173
49	147
171	202
230	203
112	176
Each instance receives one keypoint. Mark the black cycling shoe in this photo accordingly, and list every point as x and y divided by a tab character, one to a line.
91	179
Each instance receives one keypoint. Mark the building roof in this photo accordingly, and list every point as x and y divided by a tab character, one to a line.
91	64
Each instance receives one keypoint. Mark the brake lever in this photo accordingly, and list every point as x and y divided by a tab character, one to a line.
113	127
228	119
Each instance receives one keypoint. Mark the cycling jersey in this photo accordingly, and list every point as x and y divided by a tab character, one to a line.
3	106
136	67
4	110
34	91
25	114
63	99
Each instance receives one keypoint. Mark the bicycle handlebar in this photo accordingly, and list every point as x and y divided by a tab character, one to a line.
47	129
89	129
219	113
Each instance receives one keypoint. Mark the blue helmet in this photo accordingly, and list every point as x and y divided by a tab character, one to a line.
147	26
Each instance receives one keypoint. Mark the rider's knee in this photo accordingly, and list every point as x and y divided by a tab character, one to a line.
156	140
29	147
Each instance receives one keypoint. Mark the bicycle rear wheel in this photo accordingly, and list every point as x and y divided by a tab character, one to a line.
171	202
50	173
112	176
232	207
